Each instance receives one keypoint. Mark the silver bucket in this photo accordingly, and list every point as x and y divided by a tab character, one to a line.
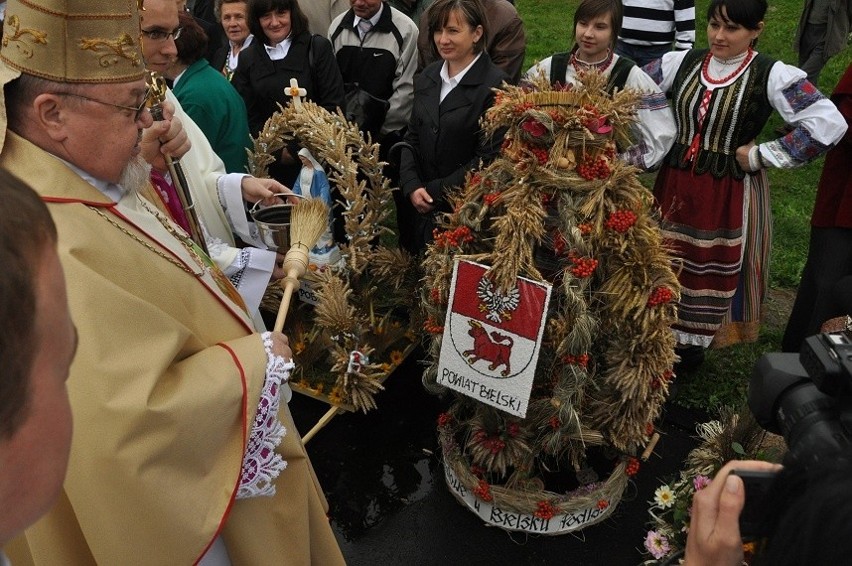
273	224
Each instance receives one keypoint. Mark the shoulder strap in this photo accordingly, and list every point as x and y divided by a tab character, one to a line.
398	35
619	74
559	66
337	32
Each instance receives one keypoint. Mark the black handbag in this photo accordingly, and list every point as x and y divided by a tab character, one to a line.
366	110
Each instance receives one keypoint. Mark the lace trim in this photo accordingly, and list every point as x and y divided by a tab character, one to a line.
239	265
261	464
216	246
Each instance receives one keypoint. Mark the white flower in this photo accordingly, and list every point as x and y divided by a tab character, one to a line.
664	497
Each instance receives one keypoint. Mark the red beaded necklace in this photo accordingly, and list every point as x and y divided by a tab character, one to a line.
749	56
580	66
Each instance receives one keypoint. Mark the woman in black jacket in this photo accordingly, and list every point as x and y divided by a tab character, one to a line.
283	49
450	97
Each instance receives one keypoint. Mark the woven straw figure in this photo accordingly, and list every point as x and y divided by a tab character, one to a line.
557	206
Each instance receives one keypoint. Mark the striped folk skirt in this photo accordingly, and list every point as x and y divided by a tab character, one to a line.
719	232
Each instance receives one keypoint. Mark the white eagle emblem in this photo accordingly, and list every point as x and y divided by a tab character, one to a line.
497	305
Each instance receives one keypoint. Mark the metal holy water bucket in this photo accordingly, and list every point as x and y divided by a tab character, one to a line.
273	223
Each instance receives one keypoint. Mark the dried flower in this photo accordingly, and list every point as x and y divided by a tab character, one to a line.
541	155
664	496
396	357
491	198
545	510
700	482
657	544
483	491
632	467
534	127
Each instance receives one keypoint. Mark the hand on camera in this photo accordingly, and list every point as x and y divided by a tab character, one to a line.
714	531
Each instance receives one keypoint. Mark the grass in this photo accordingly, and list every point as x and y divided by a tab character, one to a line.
723	378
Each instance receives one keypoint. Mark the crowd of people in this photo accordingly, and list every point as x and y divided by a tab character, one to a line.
175	379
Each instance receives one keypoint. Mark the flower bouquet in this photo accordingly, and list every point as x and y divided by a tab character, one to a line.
734	436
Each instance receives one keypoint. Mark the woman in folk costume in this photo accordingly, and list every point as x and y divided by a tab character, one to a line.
829	263
596	27
712	188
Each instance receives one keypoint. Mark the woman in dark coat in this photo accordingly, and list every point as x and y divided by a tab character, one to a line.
283	49
450	97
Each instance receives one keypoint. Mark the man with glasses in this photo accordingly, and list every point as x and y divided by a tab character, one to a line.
183	451
218	196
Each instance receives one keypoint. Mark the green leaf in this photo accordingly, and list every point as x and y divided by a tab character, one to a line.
738	448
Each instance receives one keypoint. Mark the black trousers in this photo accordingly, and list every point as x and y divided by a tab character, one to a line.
823	292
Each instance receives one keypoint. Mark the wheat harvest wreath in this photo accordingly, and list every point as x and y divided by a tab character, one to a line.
357	320
555	211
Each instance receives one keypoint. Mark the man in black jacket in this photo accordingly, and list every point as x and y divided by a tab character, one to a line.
376	50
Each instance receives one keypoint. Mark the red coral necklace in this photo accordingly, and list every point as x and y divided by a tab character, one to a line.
705	66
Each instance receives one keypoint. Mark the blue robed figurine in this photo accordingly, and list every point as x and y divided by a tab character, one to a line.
313	182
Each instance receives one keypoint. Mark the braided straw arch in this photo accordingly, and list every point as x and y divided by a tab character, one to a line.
360	301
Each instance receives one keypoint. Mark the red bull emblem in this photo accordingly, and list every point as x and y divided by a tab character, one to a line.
489	349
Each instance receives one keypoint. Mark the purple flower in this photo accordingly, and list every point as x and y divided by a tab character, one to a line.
657	544
700	482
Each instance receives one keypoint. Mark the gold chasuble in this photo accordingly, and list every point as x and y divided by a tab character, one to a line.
164	390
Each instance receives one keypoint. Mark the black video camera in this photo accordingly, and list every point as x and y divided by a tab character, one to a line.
807	398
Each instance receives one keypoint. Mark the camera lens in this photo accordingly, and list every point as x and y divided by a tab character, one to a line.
786	402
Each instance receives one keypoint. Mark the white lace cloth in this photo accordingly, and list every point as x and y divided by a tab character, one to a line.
261	464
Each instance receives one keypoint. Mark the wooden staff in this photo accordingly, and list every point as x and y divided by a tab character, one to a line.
156	96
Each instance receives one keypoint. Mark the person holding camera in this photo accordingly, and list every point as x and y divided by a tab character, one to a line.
805	518
714	531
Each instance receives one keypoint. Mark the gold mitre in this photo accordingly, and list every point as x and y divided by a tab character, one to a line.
74	41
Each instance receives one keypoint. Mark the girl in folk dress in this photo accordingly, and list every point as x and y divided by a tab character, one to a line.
596	27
